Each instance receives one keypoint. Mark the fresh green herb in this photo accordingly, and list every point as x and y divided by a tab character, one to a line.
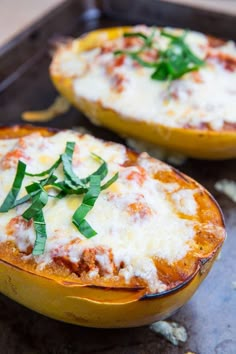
10	199
110	181
41	233
71	179
21	200
86	229
49	180
136	34
88	202
147	43
102	171
32	190
38	196
177	60
174	62
67	190
46	172
148	40
38	202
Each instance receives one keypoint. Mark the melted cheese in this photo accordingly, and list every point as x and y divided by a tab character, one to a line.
135	220
183	102
185	202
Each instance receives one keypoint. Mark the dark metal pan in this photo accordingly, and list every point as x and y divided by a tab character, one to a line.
210	317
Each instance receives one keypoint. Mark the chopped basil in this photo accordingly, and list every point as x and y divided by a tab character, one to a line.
148	41
65	189
49	180
87	204
41	233
86	230
172	63
38	196
102	171
71	179
46	172
10	199
136	34
110	181
21	200
38	202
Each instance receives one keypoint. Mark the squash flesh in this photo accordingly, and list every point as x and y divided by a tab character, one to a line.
197	143
94	306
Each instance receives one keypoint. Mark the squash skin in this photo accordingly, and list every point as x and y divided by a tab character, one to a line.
92	306
196	143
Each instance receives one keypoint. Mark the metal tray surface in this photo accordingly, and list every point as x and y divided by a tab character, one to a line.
210	316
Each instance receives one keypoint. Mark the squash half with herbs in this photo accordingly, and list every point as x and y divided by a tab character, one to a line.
96	235
169	87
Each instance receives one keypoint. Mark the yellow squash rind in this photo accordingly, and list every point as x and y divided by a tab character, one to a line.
204	144
63	299
92	306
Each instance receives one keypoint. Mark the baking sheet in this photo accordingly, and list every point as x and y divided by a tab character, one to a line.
210	316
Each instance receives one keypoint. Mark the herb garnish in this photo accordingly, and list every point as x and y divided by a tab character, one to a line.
87	204
10	199
41	233
172	63
37	194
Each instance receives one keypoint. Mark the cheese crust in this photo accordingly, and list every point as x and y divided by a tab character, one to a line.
202	99
154	225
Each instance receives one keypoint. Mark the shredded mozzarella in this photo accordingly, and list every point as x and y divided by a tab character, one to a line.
184	102
134	218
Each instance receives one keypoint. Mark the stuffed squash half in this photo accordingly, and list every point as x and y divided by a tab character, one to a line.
94	234
170	87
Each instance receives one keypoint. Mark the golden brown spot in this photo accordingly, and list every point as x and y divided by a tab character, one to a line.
139	209
173	274
11	158
138	176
